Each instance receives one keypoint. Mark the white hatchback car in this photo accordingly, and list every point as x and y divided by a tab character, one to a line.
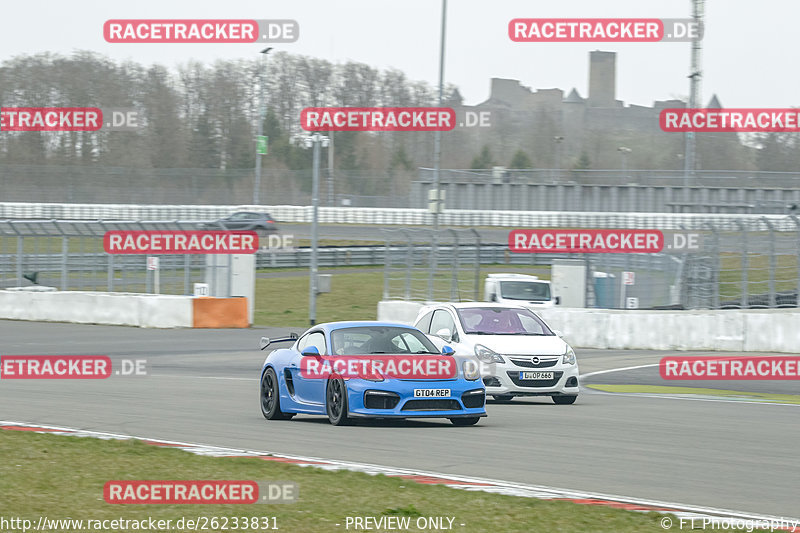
518	353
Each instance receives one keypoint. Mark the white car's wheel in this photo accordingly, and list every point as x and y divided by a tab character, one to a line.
564	400
503	397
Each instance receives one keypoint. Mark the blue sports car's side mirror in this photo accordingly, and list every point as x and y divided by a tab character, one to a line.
448	351
310	350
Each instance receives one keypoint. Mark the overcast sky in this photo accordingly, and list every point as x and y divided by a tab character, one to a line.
750	49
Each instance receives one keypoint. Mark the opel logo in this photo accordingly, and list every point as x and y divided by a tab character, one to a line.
535	360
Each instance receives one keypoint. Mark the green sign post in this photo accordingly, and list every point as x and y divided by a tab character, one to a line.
261	144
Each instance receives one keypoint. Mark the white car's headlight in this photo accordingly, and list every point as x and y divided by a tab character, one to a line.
569	356
487	355
471	370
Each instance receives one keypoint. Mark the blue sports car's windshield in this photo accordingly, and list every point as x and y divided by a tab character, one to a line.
388	340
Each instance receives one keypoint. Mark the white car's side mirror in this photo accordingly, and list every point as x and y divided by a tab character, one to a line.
444	334
558	332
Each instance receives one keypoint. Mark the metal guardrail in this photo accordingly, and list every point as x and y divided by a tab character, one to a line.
297	258
102	214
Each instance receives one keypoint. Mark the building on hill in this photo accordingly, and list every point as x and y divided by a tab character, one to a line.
558	130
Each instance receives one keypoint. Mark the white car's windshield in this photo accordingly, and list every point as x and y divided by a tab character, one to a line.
525	290
501	321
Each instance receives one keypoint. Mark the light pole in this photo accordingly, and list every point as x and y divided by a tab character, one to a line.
437	136
260	127
695	77
331	197
314	140
437	155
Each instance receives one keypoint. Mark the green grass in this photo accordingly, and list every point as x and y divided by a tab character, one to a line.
63	477
283	301
51	245
732	269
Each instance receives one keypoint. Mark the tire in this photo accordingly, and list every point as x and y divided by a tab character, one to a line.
564	400
270	398
503	397
465	421
336	402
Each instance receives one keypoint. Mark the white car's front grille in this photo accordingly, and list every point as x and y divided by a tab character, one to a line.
533	361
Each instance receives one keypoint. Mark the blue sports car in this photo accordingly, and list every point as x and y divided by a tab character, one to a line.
368	369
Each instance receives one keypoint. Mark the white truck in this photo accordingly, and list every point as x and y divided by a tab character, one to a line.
522	289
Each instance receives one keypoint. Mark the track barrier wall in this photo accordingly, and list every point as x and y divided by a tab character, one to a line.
748	330
124	309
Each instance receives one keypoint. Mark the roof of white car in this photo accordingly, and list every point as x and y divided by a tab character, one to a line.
466	305
514	275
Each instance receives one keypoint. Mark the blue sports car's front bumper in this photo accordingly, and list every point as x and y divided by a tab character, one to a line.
395	398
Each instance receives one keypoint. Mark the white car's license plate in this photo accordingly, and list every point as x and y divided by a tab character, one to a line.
527	376
431	393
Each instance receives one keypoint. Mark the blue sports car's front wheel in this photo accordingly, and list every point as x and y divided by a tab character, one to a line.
336	402
465	421
270	397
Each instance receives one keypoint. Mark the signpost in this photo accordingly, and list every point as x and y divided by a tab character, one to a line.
201	289
628	278
152	264
262	144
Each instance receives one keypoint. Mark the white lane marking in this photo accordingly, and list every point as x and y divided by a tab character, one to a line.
688	397
200	377
667	396
519	489
583	376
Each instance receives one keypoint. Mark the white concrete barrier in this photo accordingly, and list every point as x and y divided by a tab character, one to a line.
124	309
398	311
751	330
772	330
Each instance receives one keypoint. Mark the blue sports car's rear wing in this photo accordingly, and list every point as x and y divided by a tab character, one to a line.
266	341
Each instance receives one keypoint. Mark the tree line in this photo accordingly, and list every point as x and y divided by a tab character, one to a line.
199	115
